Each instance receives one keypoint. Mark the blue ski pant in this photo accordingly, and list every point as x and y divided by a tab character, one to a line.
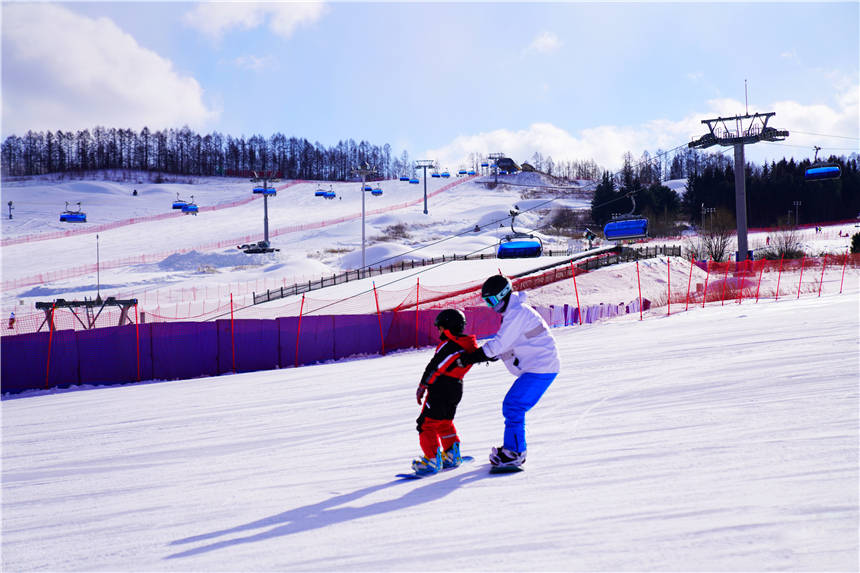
523	395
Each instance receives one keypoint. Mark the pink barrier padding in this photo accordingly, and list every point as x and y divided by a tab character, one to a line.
184	350
256	345
108	355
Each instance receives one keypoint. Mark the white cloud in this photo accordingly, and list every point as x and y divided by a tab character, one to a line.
544	43
79	72
254	63
607	144
214	19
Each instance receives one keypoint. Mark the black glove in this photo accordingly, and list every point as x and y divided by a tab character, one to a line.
473	357
419	393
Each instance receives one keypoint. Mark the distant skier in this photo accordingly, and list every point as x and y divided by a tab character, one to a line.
12	321
528	350
442	382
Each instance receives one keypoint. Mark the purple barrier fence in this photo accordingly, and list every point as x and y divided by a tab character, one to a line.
316	340
184	350
24	361
357	334
256	343
108	355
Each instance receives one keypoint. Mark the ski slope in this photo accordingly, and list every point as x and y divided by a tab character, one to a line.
724	438
718	438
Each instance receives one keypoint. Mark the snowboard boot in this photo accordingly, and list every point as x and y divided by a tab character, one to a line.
451	457
426	466
503	457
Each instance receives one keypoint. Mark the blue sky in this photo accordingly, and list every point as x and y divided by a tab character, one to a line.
440	80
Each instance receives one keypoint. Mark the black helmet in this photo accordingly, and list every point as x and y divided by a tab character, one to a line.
452	320
496	291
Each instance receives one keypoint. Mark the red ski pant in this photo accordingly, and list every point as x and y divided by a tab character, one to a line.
434	433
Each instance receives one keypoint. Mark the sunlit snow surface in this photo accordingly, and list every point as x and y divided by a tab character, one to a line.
722	438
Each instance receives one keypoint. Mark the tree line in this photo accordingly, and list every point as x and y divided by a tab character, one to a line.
184	152
777	193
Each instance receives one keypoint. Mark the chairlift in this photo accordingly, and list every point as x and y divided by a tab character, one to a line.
471	172
445	174
626	227
485	164
368	188
190	208
414	181
519	245
330	195
461	172
70	216
179	203
265	191
435	175
820	171
404	178
376	192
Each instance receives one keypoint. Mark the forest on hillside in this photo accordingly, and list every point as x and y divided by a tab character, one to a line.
775	191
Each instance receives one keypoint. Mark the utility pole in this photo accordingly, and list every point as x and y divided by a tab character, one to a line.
425	163
797	205
10	210
747	129
364	171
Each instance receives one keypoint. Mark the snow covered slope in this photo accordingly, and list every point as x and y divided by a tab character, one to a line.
723	438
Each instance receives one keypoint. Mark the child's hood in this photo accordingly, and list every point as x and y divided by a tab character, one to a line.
467	342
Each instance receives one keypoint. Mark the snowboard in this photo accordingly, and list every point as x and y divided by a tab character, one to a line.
506	469
413	475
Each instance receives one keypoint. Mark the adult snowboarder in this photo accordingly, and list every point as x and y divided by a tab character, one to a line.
526	346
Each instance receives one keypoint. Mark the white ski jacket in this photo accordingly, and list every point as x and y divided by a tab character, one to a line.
523	341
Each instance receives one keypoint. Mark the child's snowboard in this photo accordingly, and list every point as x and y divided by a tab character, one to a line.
413	475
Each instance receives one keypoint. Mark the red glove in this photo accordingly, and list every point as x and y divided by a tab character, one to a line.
419	394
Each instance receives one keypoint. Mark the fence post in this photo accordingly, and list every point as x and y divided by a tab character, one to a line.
299	328
760	272
417	296
844	263
668	288
232	333
821	282
707	276
578	309
689	282
379	318
725	282
137	338
779	275
802	261
50	341
639	283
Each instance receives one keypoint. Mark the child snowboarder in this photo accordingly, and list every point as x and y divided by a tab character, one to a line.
442	382
528	349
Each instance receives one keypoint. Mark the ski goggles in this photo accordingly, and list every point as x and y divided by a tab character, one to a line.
494	300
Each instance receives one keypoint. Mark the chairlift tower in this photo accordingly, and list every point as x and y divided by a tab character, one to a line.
739	131
425	163
364	171
265	178
495	165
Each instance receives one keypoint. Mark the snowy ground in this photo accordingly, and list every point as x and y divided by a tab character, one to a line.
721	439
718	438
